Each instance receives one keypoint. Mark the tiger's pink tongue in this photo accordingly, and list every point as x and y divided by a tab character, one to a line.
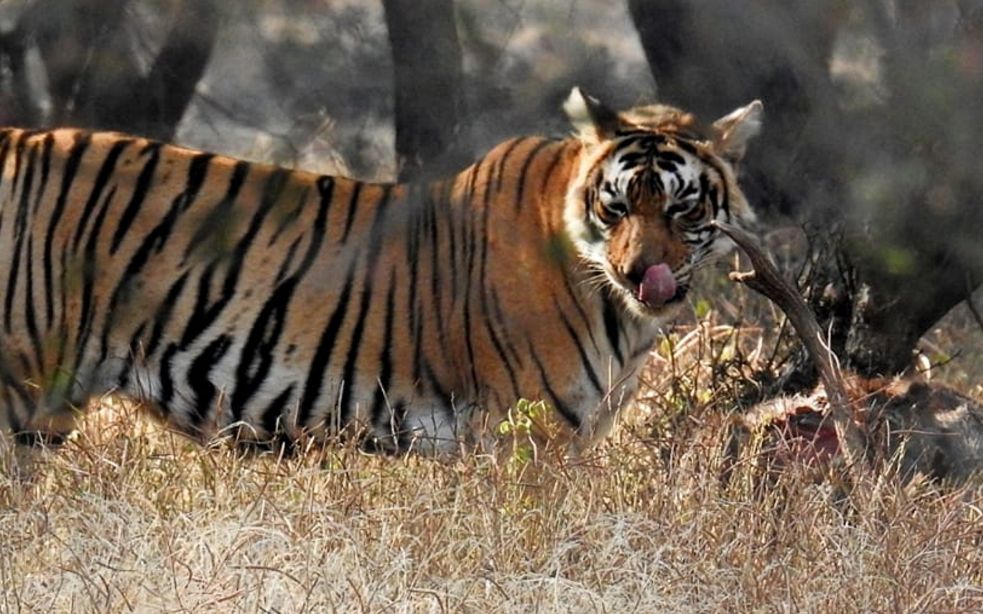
658	285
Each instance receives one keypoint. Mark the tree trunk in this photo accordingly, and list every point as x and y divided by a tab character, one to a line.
94	79
170	84
16	104
896	178
428	75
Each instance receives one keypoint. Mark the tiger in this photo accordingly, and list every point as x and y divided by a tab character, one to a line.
239	298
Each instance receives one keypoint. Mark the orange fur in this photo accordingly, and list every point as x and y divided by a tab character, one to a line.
264	302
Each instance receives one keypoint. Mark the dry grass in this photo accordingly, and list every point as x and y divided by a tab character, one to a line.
128	517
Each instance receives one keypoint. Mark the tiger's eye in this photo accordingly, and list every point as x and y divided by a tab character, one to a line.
694	215
612	211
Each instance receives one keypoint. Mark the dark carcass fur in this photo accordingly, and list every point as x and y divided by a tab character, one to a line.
913	427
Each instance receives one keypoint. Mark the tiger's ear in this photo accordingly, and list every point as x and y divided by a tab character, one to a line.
594	121
733	131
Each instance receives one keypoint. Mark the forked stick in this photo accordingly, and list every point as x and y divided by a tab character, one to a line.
767	281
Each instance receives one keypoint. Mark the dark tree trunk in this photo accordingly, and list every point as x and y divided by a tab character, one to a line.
16	103
897	180
181	63
83	47
710	58
427	61
94	79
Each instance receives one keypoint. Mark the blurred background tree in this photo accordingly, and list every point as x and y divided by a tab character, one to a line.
427	66
870	142
93	76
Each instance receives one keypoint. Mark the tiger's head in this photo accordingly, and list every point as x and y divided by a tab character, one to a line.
650	185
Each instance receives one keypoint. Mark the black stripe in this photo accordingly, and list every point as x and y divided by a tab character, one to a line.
677	208
414	298
435	260
713	195
483	285
457	213
69	172
719	200
584	358
88	282
47	146
29	310
201	367
123	378
19	145
275	410
612	327
558	403
558	155
256	358
413	240
291	217
155	242
385	356
704	187
325	347
685	190
352	206
140	192
434	384
218	216
469	275
287	262
472	180
205	313
671	157
499	319
201	314
587	321
102	180
15	385
325	186
166	381
484	288
20	225
438	266
88	263
355	344
526	164
163	315
446	207
500	350
499	172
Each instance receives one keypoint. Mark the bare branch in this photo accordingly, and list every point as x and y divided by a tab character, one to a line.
770	283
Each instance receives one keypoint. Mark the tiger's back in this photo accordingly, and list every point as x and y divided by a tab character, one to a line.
260	301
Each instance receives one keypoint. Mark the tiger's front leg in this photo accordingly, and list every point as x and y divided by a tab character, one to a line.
38	410
29	426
